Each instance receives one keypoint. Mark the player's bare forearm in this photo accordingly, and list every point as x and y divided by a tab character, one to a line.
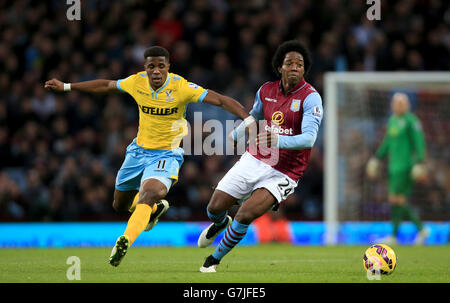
227	103
94	86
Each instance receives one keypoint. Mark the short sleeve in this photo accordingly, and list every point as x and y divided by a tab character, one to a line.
193	92
257	111
126	84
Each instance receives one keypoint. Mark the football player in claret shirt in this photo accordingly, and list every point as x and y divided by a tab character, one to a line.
153	159
292	112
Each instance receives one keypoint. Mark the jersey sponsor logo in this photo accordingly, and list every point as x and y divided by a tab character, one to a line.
279	130
393	131
157	111
270	99
316	111
277	118
193	85
142	93
295	105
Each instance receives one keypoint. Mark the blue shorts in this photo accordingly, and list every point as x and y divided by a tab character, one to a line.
141	164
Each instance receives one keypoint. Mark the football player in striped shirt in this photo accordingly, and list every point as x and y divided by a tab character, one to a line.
291	111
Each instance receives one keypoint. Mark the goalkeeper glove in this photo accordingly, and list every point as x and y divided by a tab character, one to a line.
372	167
419	172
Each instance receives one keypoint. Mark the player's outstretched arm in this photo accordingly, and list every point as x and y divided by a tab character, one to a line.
227	103
234	107
94	86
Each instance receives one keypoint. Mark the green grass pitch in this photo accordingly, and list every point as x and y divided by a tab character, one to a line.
271	263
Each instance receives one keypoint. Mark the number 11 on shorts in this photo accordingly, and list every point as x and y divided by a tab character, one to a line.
161	165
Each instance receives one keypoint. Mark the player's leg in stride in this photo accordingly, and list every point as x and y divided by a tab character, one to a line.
119	250
403	184
151	191
217	210
259	203
396	217
159	208
400	188
210	233
123	201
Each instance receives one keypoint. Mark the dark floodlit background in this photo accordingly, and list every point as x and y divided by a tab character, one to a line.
59	153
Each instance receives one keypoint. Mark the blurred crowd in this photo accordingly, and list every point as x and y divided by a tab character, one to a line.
59	153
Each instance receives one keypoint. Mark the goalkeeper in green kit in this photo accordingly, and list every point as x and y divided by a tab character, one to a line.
404	144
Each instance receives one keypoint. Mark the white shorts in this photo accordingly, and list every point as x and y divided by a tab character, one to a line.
249	174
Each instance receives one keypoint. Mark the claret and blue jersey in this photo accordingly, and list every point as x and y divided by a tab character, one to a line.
295	117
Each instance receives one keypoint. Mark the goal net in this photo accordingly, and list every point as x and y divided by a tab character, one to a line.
357	108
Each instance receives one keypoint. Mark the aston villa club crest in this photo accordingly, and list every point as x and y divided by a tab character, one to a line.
295	105
169	95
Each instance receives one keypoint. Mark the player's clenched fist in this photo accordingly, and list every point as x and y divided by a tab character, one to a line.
251	128
54	85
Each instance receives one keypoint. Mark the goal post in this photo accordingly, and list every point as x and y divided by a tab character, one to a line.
357	104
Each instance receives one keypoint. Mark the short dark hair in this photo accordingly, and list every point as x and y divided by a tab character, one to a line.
156	51
290	46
